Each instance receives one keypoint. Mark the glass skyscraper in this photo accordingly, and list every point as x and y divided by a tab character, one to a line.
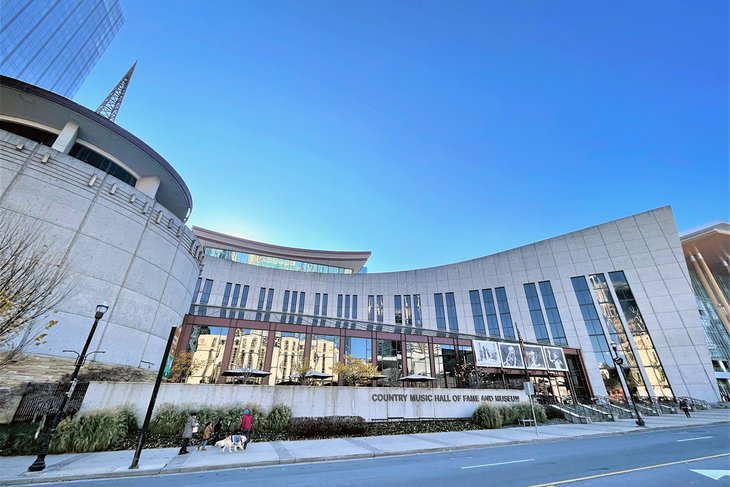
54	44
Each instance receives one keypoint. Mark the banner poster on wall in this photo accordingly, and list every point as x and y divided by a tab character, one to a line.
511	356
487	353
555	358
535	357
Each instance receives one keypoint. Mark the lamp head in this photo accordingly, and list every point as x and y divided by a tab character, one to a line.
614	346
100	310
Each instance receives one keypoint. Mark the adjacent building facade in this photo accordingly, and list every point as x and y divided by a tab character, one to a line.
707	252
111	210
568	297
54	44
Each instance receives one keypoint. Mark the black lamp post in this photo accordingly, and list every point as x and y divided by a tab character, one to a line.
619	361
40	461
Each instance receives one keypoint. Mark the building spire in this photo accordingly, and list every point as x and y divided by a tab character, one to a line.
109	108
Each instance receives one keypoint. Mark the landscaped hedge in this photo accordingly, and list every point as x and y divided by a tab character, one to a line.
328	427
489	416
97	431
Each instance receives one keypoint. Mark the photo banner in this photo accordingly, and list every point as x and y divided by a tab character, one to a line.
487	353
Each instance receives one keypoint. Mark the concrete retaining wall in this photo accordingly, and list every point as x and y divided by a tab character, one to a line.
372	403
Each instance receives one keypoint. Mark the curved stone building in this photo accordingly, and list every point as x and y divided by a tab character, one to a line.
112	208
568	297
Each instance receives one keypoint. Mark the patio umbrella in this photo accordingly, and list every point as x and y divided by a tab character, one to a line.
245	373
417	378
313	374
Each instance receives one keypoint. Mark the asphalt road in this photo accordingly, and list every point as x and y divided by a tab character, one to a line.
658	458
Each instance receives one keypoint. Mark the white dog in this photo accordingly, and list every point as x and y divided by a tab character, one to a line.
233	442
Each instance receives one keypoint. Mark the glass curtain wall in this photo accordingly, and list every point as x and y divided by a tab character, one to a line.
618	334
287	358
207	346
323	354
445	361
248	349
390	361
644	344
600	346
419	358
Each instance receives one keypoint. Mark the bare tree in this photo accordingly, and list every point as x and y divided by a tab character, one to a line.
33	281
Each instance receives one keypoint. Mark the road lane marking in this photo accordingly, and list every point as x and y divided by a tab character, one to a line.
694	439
500	463
648	467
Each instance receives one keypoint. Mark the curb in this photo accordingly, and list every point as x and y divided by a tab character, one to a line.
29	478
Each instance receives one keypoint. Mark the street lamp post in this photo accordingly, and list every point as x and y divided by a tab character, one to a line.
40	462
619	361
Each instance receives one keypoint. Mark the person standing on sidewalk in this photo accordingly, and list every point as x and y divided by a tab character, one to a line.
190	425
684	407
207	430
217	430
246	424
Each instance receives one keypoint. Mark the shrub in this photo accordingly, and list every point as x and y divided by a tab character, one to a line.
487	416
18	439
169	420
98	431
328	427
279	418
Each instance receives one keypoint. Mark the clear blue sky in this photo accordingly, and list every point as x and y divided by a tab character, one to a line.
429	132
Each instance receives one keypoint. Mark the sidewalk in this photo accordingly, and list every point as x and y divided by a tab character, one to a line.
82	466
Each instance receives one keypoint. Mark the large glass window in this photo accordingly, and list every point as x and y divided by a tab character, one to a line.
234	300
323	354
438	300
347	305
354	307
492	321
339	305
371	307
419	358
618	334
390	361
508	330
272	262
642	339
417	310
538	322
288	356
407	312
476	312
293	307
445	361
597	337
324	304
207	350
226	297
244	301
451	312
379	308
360	348
205	297
398	310
551	311
248	349
284	306
302	296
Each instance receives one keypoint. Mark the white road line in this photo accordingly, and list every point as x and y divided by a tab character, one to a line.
500	463
698	438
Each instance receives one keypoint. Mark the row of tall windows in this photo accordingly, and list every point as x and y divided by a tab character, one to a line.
295	306
274	262
406	310
234	303
488	314
450	313
265	301
375	308
551	310
347	306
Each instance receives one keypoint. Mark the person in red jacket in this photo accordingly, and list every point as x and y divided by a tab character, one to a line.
246	424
